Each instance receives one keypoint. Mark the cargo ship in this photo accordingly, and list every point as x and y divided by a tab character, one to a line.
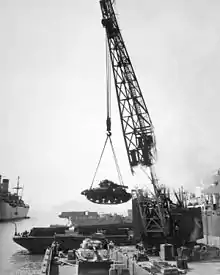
12	207
210	202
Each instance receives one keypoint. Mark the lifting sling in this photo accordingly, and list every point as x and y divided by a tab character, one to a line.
108	192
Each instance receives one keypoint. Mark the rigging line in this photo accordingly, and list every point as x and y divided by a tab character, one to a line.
99	161
148	189
116	163
145	172
108	79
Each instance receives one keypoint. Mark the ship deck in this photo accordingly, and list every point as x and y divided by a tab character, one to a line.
199	268
211	266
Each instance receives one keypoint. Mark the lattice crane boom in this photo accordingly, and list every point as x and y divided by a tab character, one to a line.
137	126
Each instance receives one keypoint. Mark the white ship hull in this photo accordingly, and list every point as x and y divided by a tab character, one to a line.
7	212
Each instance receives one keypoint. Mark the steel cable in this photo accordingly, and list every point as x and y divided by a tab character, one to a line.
99	161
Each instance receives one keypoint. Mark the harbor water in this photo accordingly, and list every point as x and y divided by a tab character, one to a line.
14	260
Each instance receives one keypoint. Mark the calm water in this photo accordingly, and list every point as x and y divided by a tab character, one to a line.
14	260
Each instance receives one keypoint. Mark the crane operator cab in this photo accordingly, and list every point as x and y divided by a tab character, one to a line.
108	192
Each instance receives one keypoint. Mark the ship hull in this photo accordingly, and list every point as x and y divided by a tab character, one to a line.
38	245
211	228
211	223
8	213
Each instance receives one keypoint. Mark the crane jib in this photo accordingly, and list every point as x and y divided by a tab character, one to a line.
137	127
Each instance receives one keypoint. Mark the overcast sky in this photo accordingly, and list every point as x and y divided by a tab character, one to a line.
52	92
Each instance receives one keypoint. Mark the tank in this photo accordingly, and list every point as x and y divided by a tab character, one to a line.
107	193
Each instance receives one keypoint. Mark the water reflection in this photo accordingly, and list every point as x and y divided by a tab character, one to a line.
24	263
14	260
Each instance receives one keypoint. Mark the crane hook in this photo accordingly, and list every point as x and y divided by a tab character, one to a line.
108	124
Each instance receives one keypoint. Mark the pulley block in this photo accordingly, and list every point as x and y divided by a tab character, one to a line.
108	192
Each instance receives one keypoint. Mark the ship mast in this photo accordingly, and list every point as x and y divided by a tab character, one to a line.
18	186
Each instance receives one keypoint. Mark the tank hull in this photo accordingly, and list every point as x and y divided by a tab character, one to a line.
8	213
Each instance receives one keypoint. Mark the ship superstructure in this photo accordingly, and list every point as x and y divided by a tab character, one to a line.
207	197
210	202
12	206
93	218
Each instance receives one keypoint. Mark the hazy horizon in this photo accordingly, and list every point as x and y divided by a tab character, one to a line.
53	104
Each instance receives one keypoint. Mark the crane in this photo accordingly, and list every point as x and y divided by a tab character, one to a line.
137	126
138	133
158	214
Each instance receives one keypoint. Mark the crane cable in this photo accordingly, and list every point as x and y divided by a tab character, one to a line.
108	120
99	162
116	163
108	84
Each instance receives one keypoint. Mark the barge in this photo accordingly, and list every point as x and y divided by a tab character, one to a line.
131	260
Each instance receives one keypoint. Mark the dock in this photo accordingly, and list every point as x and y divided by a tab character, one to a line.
124	264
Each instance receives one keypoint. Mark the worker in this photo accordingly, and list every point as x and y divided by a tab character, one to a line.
154	251
140	246
56	249
176	228
111	245
105	244
61	254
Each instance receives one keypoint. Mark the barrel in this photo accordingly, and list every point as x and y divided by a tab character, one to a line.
166	252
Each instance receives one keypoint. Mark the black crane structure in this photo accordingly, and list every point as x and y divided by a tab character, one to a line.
137	127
